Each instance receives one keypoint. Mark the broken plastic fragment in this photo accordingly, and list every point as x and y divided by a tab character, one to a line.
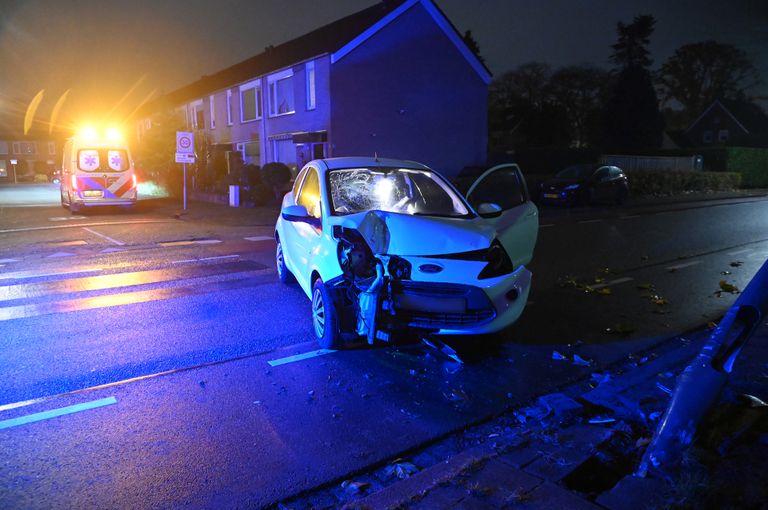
401	469
354	487
601	378
556	355
602	419
457	395
578	360
751	400
663	388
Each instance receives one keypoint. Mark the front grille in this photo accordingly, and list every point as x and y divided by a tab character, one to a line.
477	307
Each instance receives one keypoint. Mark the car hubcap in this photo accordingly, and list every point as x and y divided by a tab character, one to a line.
318	313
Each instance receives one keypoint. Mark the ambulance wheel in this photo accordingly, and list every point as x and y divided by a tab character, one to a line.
325	321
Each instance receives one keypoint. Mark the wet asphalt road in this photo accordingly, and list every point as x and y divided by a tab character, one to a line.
169	326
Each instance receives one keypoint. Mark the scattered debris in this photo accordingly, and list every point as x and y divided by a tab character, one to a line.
711	325
751	400
663	388
725	273
201	383
560	403
601	378
727	287
457	396
605	291
557	356
536	413
578	360
400	469
354	487
736	263
601	419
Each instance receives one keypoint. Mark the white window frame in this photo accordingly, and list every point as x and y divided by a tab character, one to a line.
212	121
229	107
707	137
309	70
193	113
272	79
4	147
722	135
256	85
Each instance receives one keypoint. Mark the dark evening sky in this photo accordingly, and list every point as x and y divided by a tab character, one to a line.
110	50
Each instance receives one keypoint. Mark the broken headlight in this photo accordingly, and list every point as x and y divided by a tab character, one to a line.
499	262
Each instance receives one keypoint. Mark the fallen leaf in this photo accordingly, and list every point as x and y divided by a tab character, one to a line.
645	286
599	280
736	263
728	287
605	291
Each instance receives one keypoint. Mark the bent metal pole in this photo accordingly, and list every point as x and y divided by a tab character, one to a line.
698	387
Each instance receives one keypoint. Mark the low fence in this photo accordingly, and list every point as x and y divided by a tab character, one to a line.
641	163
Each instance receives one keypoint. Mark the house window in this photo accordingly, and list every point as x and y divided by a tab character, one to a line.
281	93
3	147
196	116
250	101
3	169
229	107
24	148
52	148
311	94
722	135
213	115
707	138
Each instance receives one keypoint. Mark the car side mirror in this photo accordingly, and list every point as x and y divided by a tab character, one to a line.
489	210
299	213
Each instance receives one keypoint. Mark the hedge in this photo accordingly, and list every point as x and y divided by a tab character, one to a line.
751	163
667	182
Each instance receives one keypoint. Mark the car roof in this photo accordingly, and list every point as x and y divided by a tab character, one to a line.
367	162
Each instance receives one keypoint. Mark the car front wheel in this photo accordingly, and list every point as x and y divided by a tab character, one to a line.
325	321
283	273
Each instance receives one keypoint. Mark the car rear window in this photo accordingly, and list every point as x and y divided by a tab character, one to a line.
102	160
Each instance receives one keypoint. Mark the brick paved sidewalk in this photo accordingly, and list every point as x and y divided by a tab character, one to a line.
578	449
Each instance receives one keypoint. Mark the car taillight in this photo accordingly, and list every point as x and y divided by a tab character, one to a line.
499	262
135	182
74	182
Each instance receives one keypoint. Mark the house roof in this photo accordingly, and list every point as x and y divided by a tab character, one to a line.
337	38
748	115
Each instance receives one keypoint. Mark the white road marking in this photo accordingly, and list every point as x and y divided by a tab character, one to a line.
259	238
739	252
80	225
60	254
299	357
220	257
756	255
54	413
591	221
547	225
21	275
66	218
6	261
684	264
78	242
111	240
110	250
612	282
186	243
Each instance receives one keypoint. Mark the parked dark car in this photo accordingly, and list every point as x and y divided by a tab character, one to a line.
586	184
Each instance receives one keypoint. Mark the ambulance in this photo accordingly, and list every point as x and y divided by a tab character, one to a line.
97	169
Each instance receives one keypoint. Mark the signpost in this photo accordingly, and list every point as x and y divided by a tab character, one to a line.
13	164
185	153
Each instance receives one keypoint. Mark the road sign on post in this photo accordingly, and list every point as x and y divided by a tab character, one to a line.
185	153
185	142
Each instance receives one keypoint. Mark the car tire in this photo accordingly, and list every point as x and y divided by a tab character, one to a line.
325	321
283	273
63	204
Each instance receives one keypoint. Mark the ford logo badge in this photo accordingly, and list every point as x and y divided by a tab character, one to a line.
430	268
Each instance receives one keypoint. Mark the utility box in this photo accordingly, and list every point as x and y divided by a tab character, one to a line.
234	195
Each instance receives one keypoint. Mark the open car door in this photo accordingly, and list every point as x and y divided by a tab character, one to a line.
517	221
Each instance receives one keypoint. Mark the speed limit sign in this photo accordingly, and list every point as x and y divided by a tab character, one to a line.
185	142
